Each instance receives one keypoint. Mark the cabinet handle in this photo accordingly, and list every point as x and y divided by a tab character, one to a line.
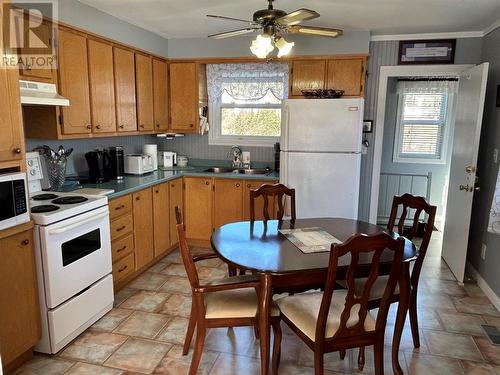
17	150
141	126
191	125
26	242
120	207
122	269
28	67
121	228
89	126
157	191
172	185
237	185
137	198
98	126
121	249
157	125
207	182
121	126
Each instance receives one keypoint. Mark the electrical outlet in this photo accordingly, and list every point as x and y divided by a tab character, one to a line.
495	155
483	252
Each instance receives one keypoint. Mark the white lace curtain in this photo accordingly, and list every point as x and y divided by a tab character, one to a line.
427	87
250	81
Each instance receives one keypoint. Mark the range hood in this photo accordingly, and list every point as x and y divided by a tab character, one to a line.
40	93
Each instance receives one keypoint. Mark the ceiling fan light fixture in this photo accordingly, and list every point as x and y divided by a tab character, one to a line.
262	46
283	46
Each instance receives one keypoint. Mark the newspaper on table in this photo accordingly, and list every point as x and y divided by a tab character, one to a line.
310	240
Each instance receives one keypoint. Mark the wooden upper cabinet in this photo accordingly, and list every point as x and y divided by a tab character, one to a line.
307	74
184	104
198	208
144	87
161	207
20	315
228	201
126	109
160	94
42	31
74	82
11	127
102	87
348	75
176	200
143	227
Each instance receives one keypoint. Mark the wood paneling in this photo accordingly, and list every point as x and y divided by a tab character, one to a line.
307	74
144	88
228	201
126	108
176	200
160	94
347	75
184	97
198	208
102	87
20	314
74	82
161	215
143	227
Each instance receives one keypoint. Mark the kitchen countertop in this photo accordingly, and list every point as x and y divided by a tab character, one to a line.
132	183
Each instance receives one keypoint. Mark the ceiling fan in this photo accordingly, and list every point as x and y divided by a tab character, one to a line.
272	25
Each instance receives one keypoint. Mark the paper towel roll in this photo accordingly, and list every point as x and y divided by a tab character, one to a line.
153	151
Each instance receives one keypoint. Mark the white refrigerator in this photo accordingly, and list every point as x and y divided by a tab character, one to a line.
321	155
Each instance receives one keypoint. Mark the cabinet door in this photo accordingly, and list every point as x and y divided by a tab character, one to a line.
259	202
102	88
42	32
228	201
11	127
19	315
176	200
347	75
74	83
307	74
126	110
198	208
143	227
184	97
161	207
160	94
144	87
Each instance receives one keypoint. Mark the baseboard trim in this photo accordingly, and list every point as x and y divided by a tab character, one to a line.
495	300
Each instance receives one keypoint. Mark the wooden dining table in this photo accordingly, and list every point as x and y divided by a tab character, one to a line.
282	267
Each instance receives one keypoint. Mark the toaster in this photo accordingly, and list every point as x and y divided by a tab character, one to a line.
138	164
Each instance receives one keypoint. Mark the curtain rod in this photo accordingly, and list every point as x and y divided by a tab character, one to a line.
431	79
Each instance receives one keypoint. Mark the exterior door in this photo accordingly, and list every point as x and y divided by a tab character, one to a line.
470	104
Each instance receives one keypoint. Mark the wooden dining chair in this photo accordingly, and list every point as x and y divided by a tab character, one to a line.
271	194
229	302
338	319
406	207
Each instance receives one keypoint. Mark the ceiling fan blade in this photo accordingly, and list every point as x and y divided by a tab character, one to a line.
229	18
228	34
297	16
312	30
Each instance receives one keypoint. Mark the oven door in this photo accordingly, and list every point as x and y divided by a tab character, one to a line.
75	253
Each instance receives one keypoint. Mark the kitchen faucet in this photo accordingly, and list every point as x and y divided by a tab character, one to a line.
236	156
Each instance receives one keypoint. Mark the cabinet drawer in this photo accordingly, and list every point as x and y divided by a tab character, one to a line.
123	268
122	247
121	226
120	206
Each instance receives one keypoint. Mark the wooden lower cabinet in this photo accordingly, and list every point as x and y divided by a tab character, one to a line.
198	205
176	200
19	314
143	227
161	218
228	201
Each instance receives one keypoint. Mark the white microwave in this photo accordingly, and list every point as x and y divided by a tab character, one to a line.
14	208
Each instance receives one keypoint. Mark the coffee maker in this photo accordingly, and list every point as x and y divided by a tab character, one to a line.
99	163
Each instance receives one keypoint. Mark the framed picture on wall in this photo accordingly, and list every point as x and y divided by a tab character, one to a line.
440	51
368	126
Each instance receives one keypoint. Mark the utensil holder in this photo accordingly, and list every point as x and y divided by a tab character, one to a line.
56	170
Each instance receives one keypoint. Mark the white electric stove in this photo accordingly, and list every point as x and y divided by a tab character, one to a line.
73	256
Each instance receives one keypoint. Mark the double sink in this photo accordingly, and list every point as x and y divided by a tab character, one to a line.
237	170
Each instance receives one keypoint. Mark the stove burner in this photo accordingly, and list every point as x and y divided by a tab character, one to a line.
70	200
43	208
45	197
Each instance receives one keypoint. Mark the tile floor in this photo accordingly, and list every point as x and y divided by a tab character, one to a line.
143	334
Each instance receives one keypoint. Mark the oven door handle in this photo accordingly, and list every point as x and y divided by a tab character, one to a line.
76	225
